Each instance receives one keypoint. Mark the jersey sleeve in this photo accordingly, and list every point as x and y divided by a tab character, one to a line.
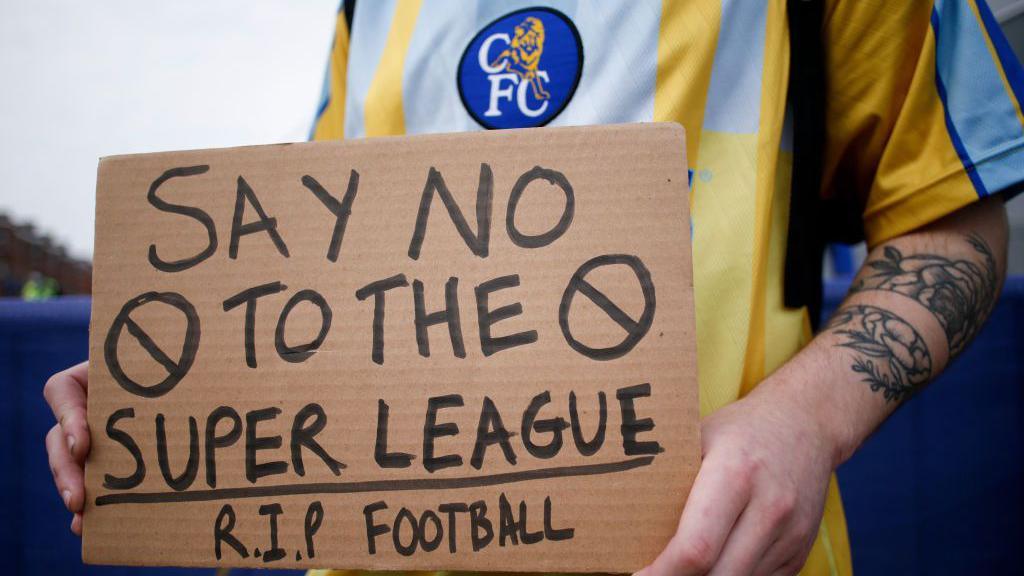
923	110
329	122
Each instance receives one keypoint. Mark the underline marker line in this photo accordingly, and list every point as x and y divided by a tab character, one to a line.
371	485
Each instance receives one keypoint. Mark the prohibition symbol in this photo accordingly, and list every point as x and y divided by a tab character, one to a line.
635	329
176	370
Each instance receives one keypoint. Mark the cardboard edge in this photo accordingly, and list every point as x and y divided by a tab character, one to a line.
497	134
100	169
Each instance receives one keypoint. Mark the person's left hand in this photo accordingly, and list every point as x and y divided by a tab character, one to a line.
757	502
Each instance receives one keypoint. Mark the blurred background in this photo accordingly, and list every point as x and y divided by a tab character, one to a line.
937	491
82	80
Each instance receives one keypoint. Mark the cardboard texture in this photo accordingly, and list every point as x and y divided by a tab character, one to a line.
288	371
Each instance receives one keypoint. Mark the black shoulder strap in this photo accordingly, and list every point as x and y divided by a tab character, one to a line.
805	246
349	6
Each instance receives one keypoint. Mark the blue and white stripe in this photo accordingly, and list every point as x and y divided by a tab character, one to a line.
734	93
981	117
370	27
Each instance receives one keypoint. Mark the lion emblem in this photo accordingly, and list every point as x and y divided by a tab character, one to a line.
523	55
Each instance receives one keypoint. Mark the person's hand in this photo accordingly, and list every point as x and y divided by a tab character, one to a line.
757	502
67	443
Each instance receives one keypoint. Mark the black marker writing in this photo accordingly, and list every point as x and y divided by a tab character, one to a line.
635	329
301	352
254	443
491	430
368	486
222	528
341	210
304	436
274	552
588	447
266	224
540	240
381	455
377	290
249	297
631	426
123	438
314	518
213	441
176	370
185	479
433	430
192	212
531	425
486	317
450	316
478	243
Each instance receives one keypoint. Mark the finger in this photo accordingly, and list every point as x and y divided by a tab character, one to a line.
76	524
66	394
761	525
792	566
786	555
718	496
67	474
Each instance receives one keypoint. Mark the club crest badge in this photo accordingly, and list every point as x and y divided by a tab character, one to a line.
522	69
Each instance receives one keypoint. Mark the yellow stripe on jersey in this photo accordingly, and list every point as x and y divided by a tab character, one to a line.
331	123
921	111
723	243
384	113
786	329
912	189
773	111
687	36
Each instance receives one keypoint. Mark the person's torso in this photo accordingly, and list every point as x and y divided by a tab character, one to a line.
416	67
451	66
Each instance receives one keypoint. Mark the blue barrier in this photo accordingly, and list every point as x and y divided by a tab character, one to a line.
37	339
939	489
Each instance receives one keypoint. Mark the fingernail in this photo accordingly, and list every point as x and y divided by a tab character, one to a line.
71	443
67	498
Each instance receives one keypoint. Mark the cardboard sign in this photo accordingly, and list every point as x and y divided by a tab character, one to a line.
464	351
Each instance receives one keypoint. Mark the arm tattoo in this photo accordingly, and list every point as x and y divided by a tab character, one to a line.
893	357
960	293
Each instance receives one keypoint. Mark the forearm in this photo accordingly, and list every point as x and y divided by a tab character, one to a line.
916	303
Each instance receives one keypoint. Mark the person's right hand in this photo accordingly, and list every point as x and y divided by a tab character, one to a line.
67	443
